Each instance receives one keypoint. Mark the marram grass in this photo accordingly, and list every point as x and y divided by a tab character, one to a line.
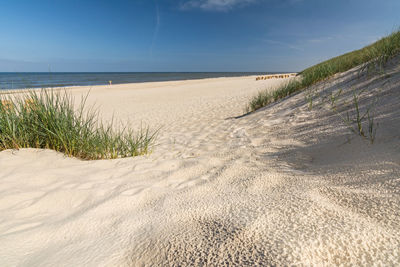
374	56
49	120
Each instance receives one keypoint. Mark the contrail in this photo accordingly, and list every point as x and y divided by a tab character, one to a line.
156	27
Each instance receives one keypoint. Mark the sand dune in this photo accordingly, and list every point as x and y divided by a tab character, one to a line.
280	186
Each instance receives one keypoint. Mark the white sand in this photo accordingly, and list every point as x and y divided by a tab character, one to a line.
277	187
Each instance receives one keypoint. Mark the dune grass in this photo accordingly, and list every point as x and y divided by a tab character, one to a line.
374	56
48	119
360	122
266	97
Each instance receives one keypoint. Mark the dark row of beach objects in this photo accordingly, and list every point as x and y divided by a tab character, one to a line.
276	76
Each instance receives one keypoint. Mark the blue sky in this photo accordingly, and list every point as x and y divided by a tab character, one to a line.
186	35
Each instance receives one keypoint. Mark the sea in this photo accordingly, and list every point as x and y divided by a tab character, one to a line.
23	80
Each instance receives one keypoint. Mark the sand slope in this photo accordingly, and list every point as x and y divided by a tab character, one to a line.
277	187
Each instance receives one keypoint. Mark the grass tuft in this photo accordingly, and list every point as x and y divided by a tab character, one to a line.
49	120
360	123
268	96
374	56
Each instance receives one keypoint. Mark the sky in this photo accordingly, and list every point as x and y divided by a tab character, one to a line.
186	35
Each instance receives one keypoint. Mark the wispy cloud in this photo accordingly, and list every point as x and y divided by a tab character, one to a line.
215	5
288	45
321	39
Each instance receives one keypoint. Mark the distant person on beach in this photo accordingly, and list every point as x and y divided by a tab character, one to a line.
110	82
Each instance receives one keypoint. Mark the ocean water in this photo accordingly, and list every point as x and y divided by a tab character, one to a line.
20	80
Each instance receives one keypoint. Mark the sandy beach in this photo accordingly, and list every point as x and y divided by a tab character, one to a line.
280	186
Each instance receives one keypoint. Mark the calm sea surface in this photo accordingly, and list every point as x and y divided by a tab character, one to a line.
19	80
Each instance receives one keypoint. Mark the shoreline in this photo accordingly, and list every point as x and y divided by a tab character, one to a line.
135	84
172	79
